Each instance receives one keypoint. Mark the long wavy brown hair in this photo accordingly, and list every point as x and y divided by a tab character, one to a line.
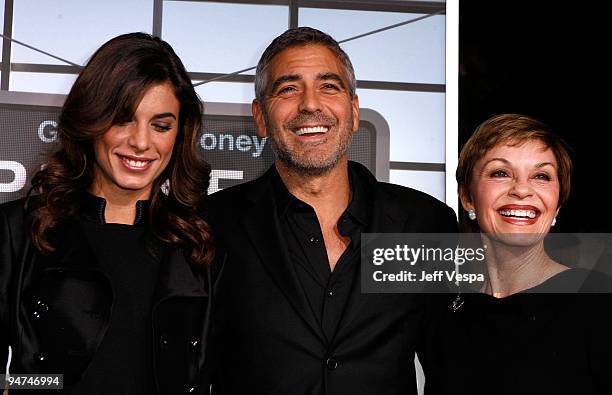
107	92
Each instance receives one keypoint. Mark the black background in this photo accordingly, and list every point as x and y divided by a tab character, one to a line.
548	60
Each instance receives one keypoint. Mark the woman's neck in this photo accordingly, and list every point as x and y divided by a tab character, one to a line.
512	269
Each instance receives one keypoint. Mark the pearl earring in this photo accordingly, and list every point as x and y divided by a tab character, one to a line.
554	221
472	214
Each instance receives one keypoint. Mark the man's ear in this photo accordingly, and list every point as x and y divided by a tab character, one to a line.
355	109
260	123
465	197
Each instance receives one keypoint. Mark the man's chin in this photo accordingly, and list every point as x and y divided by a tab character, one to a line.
309	168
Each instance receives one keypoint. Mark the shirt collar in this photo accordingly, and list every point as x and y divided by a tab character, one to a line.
358	208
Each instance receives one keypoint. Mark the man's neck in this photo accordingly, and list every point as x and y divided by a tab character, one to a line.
329	193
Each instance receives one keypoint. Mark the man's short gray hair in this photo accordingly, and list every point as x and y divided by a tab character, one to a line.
293	38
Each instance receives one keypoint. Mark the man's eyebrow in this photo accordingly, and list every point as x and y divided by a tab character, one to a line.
331	76
283	79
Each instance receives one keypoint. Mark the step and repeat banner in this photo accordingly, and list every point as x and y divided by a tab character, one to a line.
228	141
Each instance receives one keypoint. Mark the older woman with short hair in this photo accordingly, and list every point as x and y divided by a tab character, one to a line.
517	334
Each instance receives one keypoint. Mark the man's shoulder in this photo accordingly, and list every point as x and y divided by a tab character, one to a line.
236	193
226	206
396	194
401	195
418	211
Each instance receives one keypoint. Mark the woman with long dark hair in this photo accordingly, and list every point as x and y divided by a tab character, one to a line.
104	268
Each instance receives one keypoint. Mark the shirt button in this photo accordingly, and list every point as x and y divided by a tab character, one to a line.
163	341
191	390
331	363
313	240
330	293
194	342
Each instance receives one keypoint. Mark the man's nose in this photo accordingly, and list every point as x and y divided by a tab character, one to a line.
310	101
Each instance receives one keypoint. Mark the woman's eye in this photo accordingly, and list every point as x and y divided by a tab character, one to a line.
542	176
499	173
162	127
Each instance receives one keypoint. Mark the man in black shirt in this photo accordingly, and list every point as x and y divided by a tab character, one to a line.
290	317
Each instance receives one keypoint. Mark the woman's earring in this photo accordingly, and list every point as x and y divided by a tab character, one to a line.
472	214
554	221
165	187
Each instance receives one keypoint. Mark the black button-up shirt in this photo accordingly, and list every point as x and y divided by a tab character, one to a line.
326	291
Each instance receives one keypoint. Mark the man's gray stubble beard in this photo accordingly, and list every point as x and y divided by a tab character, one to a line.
305	169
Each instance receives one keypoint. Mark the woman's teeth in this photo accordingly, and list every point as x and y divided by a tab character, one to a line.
518	213
136	163
312	130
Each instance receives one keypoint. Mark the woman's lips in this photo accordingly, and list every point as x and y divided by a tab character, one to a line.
519	214
135	164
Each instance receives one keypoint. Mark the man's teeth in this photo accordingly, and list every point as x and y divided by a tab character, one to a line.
518	213
316	129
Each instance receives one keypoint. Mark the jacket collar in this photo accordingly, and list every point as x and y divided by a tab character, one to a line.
93	207
263	229
177	277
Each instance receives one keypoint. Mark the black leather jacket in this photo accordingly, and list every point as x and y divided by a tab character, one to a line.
54	310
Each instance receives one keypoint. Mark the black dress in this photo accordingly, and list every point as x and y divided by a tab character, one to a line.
534	342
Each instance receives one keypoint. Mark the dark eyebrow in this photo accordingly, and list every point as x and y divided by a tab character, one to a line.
283	79
332	77
164	115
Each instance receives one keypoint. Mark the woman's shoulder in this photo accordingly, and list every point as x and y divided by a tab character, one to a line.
12	231
13	212
577	280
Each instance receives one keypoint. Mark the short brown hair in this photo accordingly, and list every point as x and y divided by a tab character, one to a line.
514	130
296	37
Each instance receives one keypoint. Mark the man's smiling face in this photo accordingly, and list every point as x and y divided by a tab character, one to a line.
309	113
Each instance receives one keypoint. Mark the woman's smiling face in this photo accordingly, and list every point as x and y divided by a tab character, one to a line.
131	156
514	189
